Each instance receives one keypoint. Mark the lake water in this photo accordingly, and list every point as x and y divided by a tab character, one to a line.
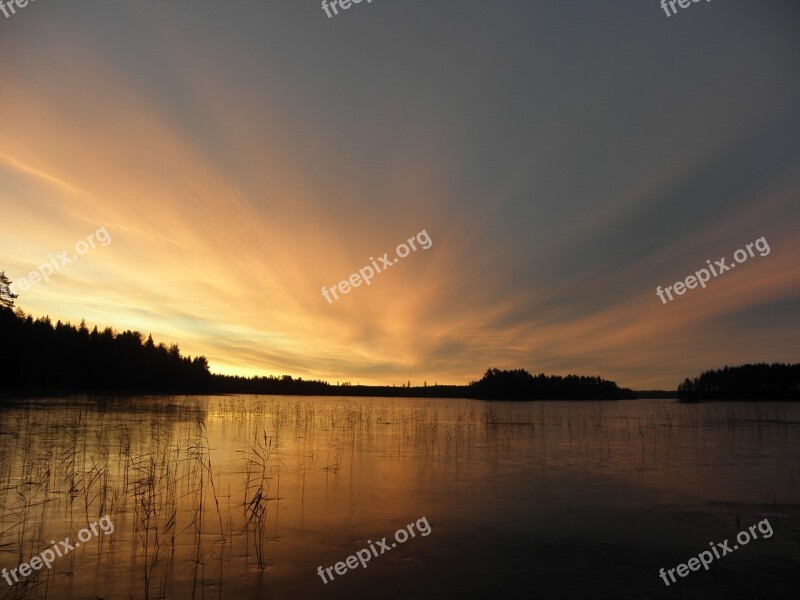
246	496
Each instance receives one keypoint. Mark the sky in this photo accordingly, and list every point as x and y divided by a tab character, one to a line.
564	157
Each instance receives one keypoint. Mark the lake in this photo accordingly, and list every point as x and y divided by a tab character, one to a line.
247	496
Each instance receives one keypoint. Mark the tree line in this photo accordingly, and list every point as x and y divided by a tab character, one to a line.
760	381
518	384
39	357
42	357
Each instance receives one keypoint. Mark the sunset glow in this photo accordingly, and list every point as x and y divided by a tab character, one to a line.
237	173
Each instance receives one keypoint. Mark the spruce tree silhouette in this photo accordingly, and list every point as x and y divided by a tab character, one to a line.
7	297
41	357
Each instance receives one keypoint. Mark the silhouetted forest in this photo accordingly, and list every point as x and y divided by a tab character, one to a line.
38	357
747	382
518	384
495	385
288	385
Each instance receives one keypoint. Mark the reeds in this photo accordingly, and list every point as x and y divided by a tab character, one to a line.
258	474
194	484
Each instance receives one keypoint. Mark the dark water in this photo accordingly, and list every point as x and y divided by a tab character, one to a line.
245	497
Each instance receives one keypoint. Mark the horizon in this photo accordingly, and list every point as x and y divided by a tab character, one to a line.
17	310
399	299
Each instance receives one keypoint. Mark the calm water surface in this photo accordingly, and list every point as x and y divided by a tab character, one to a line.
245	496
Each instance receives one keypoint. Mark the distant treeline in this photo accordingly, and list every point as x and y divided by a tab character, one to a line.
495	385
39	357
747	382
656	394
518	384
287	385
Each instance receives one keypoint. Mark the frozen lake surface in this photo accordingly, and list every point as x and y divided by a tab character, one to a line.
246	496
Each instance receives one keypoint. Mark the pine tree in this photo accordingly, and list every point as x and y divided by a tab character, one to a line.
6	295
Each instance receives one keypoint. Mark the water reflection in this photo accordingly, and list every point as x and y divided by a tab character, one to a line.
241	496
